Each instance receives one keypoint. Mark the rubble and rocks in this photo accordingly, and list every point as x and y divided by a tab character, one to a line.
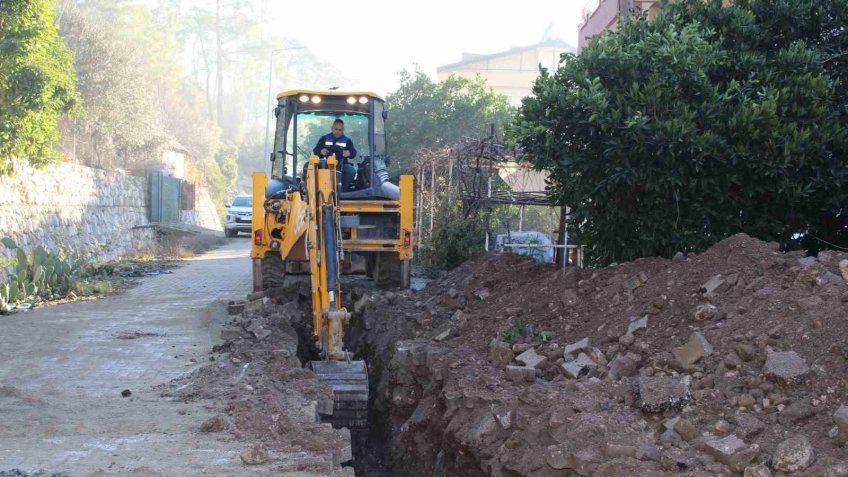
837	470
235	307
638	324
701	366
581	345
758	470
712	285
531	359
706	311
623	366
731	451
520	374
579	367
261	393
500	352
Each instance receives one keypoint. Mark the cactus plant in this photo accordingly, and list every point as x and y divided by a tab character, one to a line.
42	273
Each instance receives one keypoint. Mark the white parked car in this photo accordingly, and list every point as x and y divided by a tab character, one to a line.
239	215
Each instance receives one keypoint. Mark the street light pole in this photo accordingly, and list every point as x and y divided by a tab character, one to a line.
265	155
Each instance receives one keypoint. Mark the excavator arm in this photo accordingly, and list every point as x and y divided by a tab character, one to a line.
324	246
348	378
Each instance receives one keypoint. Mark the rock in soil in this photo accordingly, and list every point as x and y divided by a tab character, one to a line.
214	424
659	394
793	455
840	418
254	455
758	470
785	366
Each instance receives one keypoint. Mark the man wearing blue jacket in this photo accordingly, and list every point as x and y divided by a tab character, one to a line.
336	143
340	145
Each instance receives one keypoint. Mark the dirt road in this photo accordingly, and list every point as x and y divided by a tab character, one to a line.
63	369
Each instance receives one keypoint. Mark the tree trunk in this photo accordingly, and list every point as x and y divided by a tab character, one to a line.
562	252
219	66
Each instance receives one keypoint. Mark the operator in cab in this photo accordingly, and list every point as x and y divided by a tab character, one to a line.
340	145
336	143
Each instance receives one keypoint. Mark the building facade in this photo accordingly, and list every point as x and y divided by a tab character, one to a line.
510	72
601	15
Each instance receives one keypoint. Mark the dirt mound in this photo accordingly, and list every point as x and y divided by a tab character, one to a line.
699	365
263	394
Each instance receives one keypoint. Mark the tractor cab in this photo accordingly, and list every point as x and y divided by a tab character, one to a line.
303	117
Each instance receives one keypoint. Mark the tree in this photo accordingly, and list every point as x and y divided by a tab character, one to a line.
36	82
121	125
670	135
424	114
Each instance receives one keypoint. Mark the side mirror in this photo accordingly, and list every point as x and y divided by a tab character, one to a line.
385	114
273	157
227	204
277	112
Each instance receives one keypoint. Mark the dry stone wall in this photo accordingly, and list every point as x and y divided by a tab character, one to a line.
205	214
101	214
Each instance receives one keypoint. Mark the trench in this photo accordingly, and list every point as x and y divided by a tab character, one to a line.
377	452
371	447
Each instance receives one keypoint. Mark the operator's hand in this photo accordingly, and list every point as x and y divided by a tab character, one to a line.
345	153
324	151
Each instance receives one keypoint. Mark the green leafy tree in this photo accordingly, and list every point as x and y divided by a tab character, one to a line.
36	82
670	135
121	125
424	114
227	159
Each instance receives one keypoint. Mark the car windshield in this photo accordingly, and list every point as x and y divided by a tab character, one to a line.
242	202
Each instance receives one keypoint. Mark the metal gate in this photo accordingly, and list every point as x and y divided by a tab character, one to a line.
164	199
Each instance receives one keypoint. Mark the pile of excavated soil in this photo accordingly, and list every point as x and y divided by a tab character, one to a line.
731	362
263	393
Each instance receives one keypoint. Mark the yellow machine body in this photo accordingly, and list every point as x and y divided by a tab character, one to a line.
313	220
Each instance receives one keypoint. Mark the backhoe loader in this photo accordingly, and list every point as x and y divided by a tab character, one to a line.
324	216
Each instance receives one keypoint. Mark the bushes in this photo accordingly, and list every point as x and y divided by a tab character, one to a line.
670	135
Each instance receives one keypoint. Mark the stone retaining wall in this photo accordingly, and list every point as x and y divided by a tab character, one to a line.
101	214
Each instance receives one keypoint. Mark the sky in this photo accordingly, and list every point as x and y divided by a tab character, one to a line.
371	40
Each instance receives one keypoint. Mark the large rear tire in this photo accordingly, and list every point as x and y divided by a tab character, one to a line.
391	272
370	264
273	271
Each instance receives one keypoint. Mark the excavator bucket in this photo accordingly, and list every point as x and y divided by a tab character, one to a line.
349	380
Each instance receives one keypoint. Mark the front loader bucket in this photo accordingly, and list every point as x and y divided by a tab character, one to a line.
349	380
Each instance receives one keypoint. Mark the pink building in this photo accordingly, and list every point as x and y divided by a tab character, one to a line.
600	15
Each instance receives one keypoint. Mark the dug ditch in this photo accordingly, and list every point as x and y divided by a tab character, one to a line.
724	363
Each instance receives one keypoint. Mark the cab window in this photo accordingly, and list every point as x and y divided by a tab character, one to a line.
312	126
